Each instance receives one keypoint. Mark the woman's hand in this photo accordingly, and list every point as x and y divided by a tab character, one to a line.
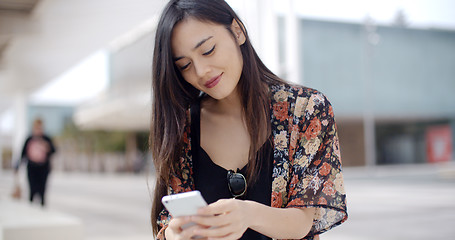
226	219
175	230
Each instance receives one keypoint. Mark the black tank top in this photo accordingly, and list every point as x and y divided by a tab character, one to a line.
211	179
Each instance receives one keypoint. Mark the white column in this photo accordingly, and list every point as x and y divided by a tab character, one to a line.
20	124
260	19
1	153
268	27
292	41
253	22
249	15
4	133
369	124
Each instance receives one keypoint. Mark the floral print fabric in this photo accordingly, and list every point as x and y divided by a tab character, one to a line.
307	164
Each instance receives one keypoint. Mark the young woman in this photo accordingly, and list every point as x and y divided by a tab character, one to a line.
263	153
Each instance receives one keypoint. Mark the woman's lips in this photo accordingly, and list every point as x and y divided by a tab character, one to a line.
213	81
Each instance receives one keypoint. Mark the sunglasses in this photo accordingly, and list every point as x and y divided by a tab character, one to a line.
237	183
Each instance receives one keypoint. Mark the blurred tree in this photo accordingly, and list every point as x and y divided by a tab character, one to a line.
400	19
94	140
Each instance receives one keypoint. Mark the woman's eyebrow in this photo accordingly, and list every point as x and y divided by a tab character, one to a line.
197	45
202	42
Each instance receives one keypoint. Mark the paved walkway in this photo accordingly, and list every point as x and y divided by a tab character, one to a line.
394	202
399	202
114	207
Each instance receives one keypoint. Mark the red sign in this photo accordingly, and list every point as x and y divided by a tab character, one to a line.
439	143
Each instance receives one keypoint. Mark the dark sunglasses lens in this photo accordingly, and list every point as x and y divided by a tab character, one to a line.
237	183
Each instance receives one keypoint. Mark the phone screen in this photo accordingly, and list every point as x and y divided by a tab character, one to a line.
184	204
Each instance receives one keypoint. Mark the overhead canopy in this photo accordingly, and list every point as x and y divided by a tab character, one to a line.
127	113
41	39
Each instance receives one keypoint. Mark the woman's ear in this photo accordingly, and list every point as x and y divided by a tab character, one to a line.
238	30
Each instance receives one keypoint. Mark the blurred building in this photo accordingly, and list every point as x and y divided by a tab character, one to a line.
400	79
391	81
391	86
41	39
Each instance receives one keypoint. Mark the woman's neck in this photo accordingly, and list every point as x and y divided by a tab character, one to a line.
231	106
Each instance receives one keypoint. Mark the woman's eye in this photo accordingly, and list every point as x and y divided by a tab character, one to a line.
185	66
209	51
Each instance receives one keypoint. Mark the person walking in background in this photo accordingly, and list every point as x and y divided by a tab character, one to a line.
220	117
36	153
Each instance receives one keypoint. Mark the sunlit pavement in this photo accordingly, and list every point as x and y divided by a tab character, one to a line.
110	206
388	202
399	202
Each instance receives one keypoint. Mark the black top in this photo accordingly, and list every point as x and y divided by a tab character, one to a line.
211	179
36	152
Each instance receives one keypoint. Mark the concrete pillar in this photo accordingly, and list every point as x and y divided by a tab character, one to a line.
131	151
371	40
293	62
250	15
260	20
452	126
268	27
2	142
1	153
20	124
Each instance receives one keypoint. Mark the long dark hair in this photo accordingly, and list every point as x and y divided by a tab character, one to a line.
172	95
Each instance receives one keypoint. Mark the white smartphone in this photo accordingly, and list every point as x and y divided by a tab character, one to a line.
184	204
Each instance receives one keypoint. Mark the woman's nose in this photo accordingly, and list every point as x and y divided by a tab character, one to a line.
201	68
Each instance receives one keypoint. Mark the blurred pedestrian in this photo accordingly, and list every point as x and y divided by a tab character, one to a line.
36	153
263	153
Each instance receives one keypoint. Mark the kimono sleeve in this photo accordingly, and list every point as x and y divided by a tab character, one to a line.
178	185
163	222
179	182
316	176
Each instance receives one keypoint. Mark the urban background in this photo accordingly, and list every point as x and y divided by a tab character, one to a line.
388	68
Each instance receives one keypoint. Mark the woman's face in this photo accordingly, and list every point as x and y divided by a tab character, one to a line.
208	56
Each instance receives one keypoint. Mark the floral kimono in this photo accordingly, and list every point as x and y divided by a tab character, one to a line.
306	165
